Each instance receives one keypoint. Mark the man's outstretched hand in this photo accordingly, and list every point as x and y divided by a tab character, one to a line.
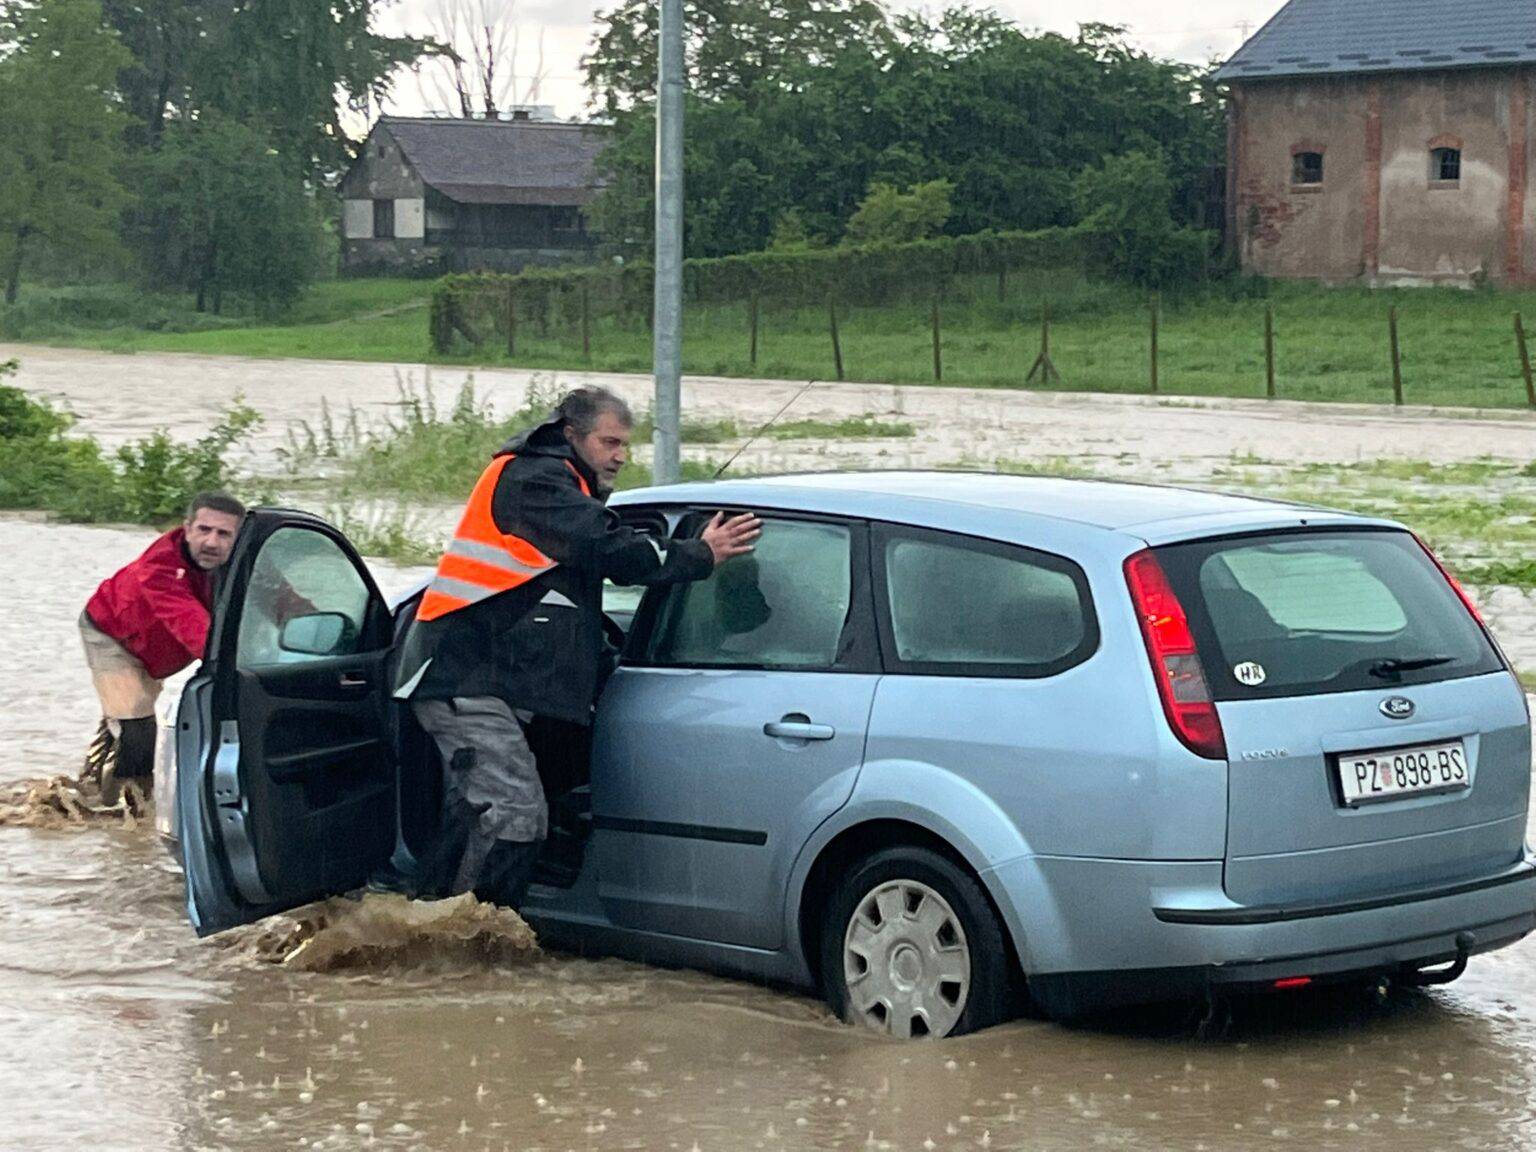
732	537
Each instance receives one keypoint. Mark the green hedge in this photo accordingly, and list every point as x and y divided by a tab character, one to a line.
475	305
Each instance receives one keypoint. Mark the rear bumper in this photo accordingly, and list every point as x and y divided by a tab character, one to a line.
1521	873
1103	932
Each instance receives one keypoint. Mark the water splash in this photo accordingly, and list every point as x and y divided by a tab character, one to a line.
59	802
387	930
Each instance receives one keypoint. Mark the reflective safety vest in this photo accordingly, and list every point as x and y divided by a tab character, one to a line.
482	561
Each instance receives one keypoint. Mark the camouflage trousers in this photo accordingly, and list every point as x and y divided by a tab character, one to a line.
491	787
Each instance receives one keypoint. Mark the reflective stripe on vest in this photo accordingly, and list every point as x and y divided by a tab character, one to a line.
482	561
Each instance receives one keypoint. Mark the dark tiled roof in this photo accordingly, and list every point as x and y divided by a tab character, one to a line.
1311	37
501	161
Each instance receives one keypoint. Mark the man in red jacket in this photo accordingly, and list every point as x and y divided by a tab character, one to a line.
146	622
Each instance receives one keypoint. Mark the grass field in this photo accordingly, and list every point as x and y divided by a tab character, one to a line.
1457	347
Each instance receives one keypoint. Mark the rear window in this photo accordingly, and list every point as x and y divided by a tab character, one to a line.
1295	614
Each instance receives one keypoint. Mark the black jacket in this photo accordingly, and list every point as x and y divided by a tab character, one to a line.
540	647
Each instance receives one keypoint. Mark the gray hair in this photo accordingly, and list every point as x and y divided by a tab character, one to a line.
581	408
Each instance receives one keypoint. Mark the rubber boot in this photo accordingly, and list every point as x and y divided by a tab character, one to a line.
508	870
132	758
438	866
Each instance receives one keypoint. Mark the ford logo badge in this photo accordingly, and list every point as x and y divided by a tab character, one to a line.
1397	708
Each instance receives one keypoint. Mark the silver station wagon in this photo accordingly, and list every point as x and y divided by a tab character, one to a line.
944	742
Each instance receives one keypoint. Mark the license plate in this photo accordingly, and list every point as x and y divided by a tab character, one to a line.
1366	777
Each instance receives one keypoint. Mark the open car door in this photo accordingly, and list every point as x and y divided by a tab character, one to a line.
286	777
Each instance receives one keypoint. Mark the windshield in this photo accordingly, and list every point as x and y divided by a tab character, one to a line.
1294	614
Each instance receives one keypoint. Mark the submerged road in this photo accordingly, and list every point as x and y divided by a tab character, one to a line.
122	1031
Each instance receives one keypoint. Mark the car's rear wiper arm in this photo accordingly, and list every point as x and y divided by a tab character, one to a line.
1388	669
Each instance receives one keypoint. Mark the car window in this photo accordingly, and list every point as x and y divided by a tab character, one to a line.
957	604
784	606
1299	613
1303	589
301	573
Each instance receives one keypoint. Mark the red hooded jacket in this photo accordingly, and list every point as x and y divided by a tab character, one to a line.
158	607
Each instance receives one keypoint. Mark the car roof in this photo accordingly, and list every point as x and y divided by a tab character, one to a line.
935	499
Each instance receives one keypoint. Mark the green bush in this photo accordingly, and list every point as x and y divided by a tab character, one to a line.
1126	209
157	475
149	481
61	312
889	215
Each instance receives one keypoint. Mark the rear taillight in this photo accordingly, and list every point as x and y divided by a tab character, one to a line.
1454	583
1175	662
1466	600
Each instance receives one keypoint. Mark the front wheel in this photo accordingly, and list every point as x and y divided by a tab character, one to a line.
910	947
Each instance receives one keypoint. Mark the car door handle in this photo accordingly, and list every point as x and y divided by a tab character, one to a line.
352	680
798	727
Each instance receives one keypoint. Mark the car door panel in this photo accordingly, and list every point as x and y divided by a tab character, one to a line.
734	727
699	813
286	785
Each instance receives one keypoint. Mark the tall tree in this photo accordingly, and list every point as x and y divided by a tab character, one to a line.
286	67
167	39
1008	118
60	133
732	47
232	216
477	70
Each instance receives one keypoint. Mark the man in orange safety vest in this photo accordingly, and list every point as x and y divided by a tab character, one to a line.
511	627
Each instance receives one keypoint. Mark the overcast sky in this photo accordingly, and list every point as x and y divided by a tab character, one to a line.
1193	30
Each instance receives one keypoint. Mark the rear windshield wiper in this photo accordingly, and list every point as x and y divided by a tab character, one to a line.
1392	668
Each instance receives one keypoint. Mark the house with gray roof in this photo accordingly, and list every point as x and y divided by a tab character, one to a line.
460	195
1385	141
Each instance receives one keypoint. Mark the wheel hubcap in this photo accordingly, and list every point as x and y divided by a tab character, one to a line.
906	961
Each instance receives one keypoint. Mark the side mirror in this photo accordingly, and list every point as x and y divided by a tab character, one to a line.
320	634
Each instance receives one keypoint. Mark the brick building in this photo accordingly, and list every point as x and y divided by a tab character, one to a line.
1388	141
457	195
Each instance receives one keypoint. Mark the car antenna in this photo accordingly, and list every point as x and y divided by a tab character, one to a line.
752	439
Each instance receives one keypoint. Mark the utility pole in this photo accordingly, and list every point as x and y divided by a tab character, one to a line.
666	448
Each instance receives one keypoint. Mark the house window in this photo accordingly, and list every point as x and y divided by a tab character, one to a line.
383	219
1306	168
1445	165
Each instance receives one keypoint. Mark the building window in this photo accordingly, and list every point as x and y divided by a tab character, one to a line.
1306	168
1445	165
383	219
383	149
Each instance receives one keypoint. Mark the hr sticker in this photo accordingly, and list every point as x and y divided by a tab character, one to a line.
1251	674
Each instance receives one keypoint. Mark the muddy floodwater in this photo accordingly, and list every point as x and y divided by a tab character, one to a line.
120	1030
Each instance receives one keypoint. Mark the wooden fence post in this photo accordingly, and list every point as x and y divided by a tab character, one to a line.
1043	365
938	355
1156	311
1525	360
752	319
511	322
1269	351
837	344
1397	359
586	323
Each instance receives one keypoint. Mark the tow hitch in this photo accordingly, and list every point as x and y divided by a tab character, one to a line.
1423	978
